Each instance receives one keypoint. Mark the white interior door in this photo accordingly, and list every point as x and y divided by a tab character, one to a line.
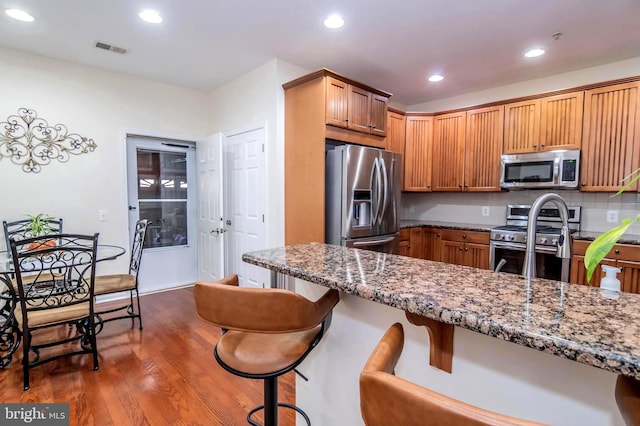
245	203
161	176
210	224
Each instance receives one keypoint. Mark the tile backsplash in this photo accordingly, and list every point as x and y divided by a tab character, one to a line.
467	207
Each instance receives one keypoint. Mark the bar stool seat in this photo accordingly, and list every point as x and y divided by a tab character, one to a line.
266	333
255	353
389	400
628	399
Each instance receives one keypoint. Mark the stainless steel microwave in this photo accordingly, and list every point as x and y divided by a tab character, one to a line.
548	169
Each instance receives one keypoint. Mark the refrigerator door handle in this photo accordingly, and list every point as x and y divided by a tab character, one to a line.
376	166
374	242
385	191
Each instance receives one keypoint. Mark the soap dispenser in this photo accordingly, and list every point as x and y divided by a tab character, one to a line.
610	281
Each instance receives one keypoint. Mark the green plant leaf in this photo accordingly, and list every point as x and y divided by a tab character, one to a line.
599	248
633	179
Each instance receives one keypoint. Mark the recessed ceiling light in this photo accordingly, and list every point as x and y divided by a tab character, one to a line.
20	15
534	52
334	21
150	16
436	77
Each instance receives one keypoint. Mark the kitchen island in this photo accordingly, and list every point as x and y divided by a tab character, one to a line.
526	348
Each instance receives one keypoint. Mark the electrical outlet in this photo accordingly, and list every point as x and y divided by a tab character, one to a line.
102	215
485	210
612	216
412	208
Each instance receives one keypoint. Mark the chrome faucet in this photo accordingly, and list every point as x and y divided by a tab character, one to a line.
564	241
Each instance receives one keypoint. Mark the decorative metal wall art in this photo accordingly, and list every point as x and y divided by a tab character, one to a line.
31	142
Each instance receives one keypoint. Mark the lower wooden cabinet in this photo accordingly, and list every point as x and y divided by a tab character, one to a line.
623	256
420	242
403	245
467	248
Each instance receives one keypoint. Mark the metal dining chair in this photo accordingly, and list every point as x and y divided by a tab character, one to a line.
18	229
55	287
116	283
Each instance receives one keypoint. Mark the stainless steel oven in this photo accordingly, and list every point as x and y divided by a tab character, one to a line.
508	243
547	264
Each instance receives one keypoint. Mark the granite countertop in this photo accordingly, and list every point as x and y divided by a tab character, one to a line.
414	223
581	235
576	322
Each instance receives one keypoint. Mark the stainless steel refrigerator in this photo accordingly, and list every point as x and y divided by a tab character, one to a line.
362	198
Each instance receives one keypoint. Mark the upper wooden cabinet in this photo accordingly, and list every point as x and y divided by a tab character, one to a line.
553	122
417	160
395	132
466	150
482	149
611	126
317	108
522	126
448	151
336	102
353	107
561	121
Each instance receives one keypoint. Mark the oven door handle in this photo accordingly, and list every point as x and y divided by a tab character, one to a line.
511	246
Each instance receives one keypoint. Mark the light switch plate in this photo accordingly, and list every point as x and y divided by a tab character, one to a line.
612	216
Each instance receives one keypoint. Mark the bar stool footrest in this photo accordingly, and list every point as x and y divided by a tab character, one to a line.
280	404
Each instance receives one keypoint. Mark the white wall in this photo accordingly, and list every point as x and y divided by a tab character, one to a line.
254	98
466	208
100	105
612	71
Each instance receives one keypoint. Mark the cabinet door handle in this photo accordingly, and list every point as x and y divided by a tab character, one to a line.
373	126
542	145
460	248
346	120
535	145
464	235
584	184
617	251
466	249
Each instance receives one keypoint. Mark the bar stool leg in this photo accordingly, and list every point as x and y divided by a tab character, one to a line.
271	401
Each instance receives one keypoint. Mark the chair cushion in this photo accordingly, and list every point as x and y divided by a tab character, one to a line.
54	315
105	284
258	353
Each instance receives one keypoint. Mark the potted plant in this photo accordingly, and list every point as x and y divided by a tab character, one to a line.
38	226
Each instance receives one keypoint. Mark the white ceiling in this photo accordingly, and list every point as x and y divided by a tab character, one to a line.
391	45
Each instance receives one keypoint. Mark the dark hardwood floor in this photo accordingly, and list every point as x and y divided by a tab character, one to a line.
162	375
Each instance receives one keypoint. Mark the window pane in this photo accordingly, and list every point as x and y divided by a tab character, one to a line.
168	223
162	175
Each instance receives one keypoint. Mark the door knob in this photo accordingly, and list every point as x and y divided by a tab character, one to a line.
228	222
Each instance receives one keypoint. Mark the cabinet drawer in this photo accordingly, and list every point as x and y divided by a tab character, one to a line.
465	236
628	252
404	234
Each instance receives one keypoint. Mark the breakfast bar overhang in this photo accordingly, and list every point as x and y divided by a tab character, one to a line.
522	347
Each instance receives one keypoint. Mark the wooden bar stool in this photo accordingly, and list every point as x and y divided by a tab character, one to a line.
266	333
628	399
389	400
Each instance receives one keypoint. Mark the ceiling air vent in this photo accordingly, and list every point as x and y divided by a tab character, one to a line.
110	48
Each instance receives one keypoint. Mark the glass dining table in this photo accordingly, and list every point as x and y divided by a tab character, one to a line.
10	335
